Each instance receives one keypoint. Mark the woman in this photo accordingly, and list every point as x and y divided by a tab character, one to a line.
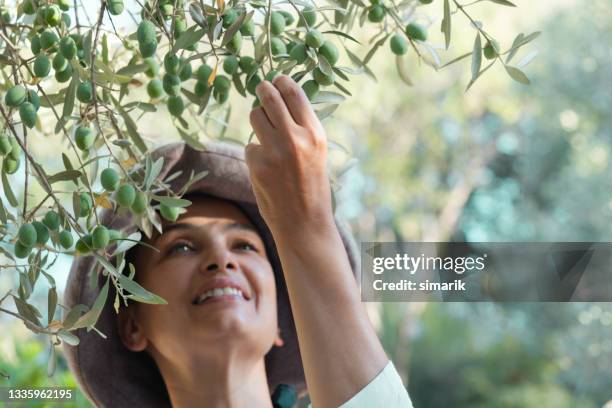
262	234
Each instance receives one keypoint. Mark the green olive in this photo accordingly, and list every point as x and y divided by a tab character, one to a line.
139	206
203	73
126	195
322	78
176	105
185	71
278	46
248	28
27	113
35	44
171	63
27	235
22	251
10	165
376	14
310	15
68	47
152	67
491	50
229	18
85	204
247	64
220	97
298	53
15	96
59	62
84	137
330	52
171	84
42	66
85	244
252	84
416	32
289	18
155	88
33	98
51	220
115	7
201	88
84	92
109	179
65	75
277	23
42	233
235	44
398	44
146	32
222	84
169	213
100	237
147	49
5	145
314	38
230	64
65	239
311	88
48	39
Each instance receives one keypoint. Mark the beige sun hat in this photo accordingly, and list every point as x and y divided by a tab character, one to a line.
113	376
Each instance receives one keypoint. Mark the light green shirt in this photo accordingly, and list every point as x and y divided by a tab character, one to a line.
385	390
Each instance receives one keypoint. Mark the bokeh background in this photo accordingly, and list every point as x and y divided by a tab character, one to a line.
502	162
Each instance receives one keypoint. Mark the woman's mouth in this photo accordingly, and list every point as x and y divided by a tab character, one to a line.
226	292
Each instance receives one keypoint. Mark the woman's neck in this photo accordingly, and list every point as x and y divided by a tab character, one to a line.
227	381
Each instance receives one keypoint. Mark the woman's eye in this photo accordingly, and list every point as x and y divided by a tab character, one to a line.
178	248
246	246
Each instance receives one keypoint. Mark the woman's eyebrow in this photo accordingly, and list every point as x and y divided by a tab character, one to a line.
192	227
239	226
176	226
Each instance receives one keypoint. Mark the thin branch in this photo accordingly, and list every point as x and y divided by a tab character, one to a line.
76	16
480	30
31	159
268	24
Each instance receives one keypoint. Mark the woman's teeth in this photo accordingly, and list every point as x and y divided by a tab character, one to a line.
218	292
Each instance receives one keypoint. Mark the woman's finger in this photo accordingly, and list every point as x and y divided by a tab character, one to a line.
274	105
262	126
296	100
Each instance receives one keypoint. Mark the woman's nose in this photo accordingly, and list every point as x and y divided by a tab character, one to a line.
219	258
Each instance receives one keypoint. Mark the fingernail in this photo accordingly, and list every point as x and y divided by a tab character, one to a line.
276	78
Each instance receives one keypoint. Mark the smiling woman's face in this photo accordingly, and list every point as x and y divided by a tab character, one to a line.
210	247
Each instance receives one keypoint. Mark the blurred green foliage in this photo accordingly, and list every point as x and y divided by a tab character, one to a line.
27	368
546	177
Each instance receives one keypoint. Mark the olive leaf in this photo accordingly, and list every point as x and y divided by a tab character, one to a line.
91	317
139	293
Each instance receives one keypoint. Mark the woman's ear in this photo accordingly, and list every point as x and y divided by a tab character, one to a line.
130	331
278	341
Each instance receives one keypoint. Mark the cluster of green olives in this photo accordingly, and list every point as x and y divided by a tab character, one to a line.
178	70
9	149
37	233
45	43
127	196
26	100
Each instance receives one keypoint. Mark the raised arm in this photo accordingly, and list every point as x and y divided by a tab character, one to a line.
340	350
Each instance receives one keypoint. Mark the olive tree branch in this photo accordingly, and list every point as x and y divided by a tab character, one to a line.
57	117
31	159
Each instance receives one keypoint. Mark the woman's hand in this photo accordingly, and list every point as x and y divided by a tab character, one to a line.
288	168
289	176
